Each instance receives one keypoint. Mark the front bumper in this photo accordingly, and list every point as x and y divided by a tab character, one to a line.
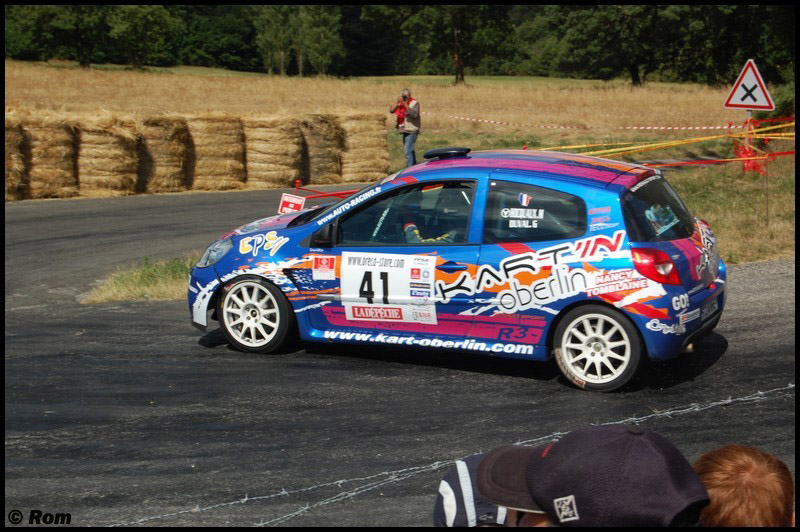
203	284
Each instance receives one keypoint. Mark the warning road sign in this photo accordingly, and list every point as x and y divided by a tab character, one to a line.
750	91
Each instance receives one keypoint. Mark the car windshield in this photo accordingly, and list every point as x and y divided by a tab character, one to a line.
322	213
655	213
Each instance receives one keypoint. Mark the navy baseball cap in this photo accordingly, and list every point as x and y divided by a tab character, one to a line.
611	475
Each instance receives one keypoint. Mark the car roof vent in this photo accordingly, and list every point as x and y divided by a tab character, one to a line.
446	153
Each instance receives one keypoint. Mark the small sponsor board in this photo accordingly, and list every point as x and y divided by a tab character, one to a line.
291	203
324	268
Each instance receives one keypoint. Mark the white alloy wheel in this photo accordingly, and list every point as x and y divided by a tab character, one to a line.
596	348
253	315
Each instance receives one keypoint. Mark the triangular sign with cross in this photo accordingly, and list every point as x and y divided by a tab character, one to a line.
750	91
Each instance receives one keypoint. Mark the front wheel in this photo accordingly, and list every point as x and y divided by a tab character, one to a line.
597	348
255	316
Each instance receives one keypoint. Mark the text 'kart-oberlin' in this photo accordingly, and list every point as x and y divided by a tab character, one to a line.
518	254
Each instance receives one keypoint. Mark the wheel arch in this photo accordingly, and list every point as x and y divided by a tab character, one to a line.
551	331
276	279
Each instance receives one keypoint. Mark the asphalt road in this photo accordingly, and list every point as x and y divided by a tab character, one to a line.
123	414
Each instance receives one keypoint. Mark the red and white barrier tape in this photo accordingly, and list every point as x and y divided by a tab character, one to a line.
643	128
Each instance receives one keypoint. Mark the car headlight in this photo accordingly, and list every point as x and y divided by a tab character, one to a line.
214	252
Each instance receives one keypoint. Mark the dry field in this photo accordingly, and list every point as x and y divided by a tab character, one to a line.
533	101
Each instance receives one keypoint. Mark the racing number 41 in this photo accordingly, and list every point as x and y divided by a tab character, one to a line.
365	289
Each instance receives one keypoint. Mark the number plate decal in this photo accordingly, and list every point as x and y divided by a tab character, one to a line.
388	287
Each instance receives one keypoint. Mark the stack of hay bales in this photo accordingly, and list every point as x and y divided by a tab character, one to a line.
325	141
108	158
219	152
53	171
17	165
274	152
168	158
366	155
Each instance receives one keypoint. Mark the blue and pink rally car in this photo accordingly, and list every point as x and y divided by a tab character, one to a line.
519	254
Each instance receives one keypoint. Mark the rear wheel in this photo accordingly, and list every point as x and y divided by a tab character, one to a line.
255	316
597	348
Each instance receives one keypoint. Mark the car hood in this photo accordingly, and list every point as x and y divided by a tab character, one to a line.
271	223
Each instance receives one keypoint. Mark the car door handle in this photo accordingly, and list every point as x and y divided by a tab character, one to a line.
450	267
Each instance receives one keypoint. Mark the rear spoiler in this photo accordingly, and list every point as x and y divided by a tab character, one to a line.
635	175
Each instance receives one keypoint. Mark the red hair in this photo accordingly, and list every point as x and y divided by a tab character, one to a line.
747	487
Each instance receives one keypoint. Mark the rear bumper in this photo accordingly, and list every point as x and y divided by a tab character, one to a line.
666	339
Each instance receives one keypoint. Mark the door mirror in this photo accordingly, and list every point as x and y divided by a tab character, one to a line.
324	237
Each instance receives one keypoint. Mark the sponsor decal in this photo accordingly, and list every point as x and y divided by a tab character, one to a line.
360	312
686	317
349	205
709	256
657	326
602	227
324	268
270	241
468	344
599	210
617	281
561	283
646	182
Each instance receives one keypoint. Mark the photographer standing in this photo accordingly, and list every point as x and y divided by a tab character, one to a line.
408	123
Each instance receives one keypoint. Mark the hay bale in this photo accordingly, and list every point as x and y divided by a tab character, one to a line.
168	156
107	156
325	141
366	155
219	152
53	171
274	152
17	161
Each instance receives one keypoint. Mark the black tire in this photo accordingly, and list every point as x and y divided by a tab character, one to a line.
597	348
254	315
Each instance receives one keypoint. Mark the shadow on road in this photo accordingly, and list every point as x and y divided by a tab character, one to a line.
689	365
417	356
661	375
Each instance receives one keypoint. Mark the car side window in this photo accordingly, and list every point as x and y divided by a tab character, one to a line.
429	213
525	213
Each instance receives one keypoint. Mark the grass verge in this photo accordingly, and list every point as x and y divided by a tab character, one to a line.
159	280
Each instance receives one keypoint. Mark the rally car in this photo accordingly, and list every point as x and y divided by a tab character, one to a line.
519	254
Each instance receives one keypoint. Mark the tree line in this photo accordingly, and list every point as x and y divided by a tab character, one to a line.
698	43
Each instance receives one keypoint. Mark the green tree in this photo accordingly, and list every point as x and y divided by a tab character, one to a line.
21	36
274	36
142	32
608	41
220	36
322	35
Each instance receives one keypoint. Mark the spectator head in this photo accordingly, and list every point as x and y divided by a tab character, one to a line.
611	475
747	486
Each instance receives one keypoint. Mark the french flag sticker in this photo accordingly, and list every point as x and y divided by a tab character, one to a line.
524	199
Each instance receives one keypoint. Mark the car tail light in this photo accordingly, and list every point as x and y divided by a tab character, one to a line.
656	265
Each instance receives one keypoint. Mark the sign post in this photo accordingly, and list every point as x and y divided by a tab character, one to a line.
750	93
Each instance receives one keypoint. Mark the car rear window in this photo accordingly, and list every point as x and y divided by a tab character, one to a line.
655	213
527	213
